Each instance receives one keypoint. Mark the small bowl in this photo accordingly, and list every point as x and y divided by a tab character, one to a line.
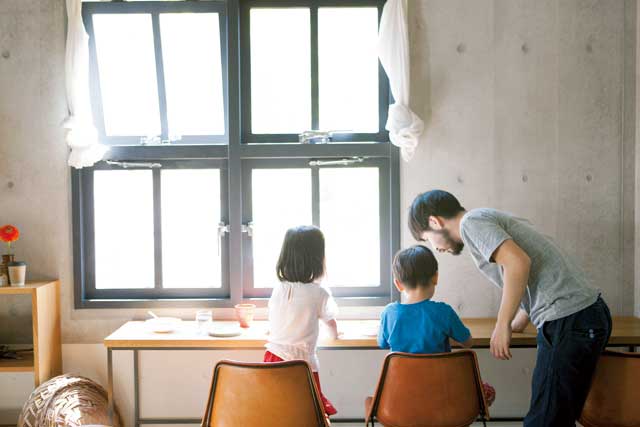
163	325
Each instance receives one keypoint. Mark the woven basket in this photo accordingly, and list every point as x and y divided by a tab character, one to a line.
67	400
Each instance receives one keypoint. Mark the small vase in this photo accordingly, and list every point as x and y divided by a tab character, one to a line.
17	273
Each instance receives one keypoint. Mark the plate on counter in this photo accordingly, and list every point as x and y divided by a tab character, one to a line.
225	331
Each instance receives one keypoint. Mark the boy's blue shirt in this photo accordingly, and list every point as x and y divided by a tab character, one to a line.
424	327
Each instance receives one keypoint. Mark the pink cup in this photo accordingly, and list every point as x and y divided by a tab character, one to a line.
244	314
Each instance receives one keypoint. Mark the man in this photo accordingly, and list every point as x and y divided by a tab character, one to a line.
535	275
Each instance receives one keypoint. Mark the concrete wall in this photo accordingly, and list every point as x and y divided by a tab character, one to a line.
530	107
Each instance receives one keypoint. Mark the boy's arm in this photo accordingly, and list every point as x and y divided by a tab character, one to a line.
458	331
382	333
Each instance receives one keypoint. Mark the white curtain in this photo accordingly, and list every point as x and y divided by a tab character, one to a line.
80	133
404	126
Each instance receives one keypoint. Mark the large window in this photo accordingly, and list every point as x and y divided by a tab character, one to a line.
228	123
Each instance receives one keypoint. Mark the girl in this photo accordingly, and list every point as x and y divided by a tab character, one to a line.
299	301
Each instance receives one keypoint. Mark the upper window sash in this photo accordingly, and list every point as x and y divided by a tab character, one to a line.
314	8
156	12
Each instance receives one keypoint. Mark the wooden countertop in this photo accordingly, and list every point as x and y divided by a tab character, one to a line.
355	334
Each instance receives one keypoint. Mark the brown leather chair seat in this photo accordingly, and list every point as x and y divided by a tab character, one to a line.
428	390
614	398
280	394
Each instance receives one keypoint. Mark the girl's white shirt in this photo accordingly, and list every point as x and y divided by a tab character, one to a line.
294	313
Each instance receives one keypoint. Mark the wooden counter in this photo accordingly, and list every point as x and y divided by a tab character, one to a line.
355	334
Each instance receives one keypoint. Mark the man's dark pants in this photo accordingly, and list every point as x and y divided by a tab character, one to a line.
568	351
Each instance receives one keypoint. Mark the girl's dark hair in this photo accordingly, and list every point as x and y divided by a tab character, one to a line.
302	255
432	203
415	266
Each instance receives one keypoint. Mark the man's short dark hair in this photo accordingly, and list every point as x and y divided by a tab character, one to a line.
415	266
432	203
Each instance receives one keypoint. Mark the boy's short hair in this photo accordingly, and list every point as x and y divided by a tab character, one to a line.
431	203
415	266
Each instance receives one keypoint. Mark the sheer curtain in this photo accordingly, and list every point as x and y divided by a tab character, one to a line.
81	134
404	126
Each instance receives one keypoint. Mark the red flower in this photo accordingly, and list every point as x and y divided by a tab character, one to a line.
9	233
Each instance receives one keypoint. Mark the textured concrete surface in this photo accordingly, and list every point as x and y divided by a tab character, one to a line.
525	110
530	107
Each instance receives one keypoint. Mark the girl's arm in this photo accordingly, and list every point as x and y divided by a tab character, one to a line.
333	328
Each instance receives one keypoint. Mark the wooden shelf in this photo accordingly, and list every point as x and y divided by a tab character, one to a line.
20	365
45	361
29	288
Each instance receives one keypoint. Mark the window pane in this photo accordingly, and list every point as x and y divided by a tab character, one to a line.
191	254
123	211
126	62
281	200
280	70
348	68
350	220
193	73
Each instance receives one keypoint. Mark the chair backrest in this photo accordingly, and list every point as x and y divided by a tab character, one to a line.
280	394
613	400
424	390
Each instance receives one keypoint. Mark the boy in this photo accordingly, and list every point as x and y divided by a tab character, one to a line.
419	325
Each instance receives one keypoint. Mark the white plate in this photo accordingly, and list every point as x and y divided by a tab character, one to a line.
163	325
225	331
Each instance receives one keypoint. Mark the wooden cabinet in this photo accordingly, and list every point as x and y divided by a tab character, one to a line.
46	359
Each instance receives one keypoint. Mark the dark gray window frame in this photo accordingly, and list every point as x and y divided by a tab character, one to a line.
234	154
245	54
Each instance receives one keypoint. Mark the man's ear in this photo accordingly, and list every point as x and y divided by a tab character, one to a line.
436	222
399	285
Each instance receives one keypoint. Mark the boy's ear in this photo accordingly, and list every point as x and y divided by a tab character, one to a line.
399	285
434	279
436	222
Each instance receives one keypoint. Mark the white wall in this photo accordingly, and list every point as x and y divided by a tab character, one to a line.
509	89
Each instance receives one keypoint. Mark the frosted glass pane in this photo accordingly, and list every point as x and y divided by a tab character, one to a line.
193	73
280	70
348	68
281	200
350	220
191	256
123	205
126	62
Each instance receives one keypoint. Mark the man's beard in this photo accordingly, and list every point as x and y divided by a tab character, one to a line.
455	247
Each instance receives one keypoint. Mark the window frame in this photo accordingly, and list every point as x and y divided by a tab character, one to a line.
236	153
245	56
155	8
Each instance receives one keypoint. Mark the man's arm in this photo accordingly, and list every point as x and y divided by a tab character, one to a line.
520	322
515	264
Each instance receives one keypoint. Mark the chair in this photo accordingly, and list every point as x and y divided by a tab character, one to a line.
614	396
282	394
428	390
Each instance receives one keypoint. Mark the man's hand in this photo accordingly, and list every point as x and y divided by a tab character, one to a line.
500	342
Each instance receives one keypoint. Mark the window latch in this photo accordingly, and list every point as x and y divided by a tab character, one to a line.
222	230
127	165
340	162
315	137
248	228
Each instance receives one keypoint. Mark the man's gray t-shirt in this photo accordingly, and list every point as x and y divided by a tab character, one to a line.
557	286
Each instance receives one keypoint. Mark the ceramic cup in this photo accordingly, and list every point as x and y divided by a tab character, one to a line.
244	314
17	273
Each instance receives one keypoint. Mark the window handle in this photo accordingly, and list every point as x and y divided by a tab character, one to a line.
222	230
127	165
342	162
248	228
